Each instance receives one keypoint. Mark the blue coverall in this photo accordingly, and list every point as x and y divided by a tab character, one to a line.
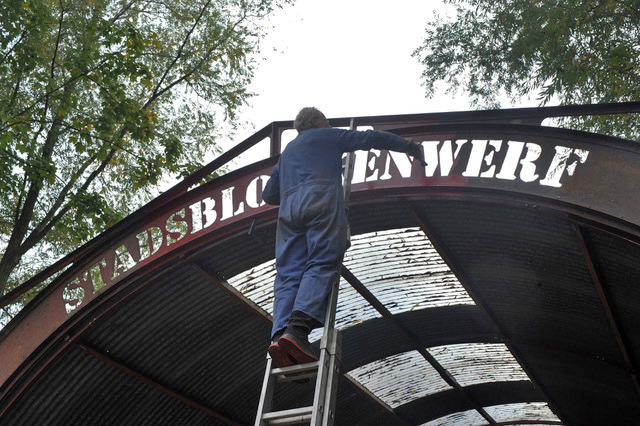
311	235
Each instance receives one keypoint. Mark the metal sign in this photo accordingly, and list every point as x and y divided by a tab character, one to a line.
589	172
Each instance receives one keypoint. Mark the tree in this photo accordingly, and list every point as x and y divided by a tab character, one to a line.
101	99
566	51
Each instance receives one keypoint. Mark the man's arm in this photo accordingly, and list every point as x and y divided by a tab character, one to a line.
271	192
353	140
415	150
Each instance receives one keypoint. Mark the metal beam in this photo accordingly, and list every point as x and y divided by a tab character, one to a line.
96	353
274	130
444	254
446	376
598	281
231	291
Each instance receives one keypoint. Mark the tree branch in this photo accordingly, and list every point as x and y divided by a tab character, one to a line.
65	191
58	37
23	35
155	93
40	233
199	64
24	211
122	11
45	96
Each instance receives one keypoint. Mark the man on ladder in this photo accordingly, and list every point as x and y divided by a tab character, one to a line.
311	235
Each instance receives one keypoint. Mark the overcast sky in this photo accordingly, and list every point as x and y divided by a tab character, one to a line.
349	58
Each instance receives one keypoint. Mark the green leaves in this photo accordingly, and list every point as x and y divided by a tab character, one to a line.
572	52
102	100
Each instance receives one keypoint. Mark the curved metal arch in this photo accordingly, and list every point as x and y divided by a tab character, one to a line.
444	403
431	327
184	238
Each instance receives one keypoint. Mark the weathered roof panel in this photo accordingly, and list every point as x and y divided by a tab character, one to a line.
399	379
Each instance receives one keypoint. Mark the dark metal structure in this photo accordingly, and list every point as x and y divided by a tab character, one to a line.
498	284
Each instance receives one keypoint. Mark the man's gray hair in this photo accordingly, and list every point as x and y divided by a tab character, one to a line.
304	118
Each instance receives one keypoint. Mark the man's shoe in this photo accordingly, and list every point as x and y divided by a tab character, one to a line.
279	357
297	348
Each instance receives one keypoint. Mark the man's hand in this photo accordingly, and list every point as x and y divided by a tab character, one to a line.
415	150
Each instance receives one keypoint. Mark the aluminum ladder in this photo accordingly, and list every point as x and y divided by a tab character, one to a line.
326	369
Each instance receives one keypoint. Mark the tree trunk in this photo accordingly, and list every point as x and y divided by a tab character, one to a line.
7	264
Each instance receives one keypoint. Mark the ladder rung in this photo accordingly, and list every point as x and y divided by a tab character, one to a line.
289	417
296	372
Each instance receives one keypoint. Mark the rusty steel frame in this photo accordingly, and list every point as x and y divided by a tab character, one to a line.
274	131
405	124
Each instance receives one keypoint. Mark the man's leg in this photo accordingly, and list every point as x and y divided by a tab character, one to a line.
291	257
290	265
326	243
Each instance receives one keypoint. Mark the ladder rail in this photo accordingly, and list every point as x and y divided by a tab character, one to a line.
326	384
266	394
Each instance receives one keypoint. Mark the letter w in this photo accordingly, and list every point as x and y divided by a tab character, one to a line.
446	156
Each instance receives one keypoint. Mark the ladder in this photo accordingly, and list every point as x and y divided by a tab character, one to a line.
326	369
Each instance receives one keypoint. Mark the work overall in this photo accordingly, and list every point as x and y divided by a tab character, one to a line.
311	235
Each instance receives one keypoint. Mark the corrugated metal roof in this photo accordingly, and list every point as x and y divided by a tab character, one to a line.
533	412
402	378
404	271
515	414
399	379
400	266
475	363
478	302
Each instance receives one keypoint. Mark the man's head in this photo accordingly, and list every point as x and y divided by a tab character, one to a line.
310	118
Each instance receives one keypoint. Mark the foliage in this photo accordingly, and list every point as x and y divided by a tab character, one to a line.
101	99
566	51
